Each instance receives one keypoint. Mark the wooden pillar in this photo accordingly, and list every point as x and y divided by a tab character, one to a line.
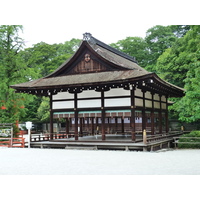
102	116
143	112
81	127
88	124
67	127
76	116
152	115
166	116
51	118
132	119
92	125
160	116
97	125
108	127
122	118
116	124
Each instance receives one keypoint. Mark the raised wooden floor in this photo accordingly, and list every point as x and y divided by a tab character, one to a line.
112	142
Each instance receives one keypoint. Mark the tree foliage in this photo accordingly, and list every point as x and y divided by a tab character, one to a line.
19	65
44	58
181	65
134	46
158	39
13	71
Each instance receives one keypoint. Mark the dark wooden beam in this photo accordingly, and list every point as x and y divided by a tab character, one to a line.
132	119
160	116
152	115
103	131
51	118
76	116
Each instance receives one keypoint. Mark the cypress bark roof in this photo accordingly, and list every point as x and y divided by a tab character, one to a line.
114	67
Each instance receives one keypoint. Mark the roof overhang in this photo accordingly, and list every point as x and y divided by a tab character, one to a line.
102	81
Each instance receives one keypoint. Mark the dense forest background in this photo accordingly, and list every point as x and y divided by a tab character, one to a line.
173	52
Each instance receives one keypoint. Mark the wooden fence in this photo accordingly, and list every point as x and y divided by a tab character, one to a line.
46	137
14	142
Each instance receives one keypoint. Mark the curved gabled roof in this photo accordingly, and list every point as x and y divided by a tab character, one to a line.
118	60
119	69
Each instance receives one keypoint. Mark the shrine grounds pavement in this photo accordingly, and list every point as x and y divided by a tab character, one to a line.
24	161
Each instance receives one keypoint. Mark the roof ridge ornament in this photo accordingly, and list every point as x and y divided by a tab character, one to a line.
87	36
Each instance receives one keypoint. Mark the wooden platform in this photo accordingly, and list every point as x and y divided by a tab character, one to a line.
113	142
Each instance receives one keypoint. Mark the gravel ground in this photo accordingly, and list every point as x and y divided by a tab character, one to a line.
17	161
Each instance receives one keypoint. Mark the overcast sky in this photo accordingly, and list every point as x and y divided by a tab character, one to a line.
107	20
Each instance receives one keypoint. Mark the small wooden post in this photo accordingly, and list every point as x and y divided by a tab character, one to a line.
144	136
11	140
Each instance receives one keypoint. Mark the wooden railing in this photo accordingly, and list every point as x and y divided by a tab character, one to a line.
153	138
14	142
47	137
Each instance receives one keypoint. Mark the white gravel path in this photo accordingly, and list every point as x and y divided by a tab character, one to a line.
17	161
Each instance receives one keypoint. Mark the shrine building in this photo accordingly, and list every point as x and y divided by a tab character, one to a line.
102	90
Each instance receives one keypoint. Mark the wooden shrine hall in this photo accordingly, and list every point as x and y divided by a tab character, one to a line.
102	90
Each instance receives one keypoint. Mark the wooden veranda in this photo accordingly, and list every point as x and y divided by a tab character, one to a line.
113	142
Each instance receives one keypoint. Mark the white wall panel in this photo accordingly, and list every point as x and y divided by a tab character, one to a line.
88	94
163	98
117	92
148	95
138	92
63	104
138	102
117	102
63	95
156	97
89	103
164	106
148	104
156	104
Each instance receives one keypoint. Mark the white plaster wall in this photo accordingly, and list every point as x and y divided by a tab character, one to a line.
89	103
164	106
88	94
148	95
63	104
156	97
63	95
117	92
138	102
138	92
117	102
148	104
163	98
156	105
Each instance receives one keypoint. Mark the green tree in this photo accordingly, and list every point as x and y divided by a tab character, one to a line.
180	65
158	39
43	59
134	46
43	110
180	30
13	71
